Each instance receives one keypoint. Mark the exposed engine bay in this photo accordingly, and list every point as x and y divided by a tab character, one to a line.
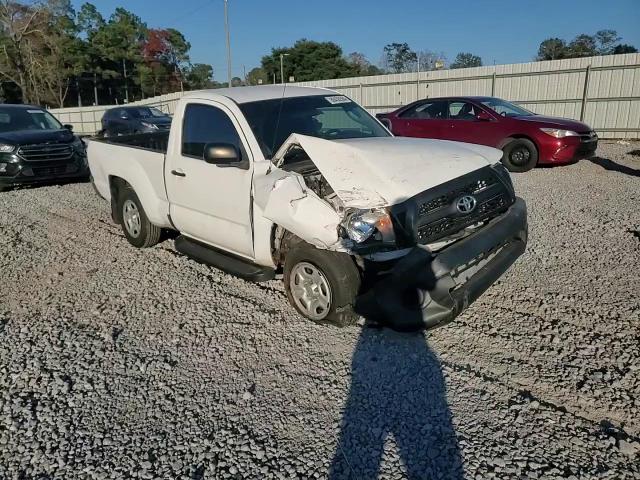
298	161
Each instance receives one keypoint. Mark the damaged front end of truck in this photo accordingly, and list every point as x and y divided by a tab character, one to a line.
429	233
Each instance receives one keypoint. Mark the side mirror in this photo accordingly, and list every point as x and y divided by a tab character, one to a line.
223	155
483	116
68	127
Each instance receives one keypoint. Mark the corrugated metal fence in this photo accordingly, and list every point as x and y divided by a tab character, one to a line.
602	91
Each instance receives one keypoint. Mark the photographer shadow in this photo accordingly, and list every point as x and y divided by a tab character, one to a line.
396	417
396	412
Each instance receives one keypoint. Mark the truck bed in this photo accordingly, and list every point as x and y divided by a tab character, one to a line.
156	142
137	160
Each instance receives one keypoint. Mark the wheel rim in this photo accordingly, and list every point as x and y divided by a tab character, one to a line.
310	290
520	156
131	218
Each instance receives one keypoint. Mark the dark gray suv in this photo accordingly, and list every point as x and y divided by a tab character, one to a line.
132	120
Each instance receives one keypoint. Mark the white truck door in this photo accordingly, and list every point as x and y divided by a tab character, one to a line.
209	203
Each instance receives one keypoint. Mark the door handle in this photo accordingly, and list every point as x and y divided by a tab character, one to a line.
178	173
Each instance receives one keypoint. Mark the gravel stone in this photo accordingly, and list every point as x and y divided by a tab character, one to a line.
119	363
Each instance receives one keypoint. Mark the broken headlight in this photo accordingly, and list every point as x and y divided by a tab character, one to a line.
360	225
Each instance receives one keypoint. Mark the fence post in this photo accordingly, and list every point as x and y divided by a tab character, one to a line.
361	97
585	92
493	84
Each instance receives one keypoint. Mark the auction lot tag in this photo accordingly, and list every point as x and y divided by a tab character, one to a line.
337	99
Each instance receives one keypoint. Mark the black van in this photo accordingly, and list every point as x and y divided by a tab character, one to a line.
37	148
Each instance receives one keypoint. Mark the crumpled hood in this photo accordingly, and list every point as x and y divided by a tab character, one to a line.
384	171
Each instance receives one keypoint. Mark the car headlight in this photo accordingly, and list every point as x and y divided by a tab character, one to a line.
4	148
151	126
361	225
79	146
559	133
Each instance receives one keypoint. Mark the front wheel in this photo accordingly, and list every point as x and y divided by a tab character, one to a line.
520	155
321	285
140	232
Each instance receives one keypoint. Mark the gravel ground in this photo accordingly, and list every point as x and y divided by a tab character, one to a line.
122	363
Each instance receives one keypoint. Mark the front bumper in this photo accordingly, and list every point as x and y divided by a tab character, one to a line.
29	173
568	150
425	289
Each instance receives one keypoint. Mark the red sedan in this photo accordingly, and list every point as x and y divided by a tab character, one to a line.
527	139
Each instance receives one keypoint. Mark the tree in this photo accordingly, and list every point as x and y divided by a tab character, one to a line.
199	76
89	20
466	60
399	58
582	46
257	76
606	41
552	49
624	48
308	60
361	65
39	49
428	59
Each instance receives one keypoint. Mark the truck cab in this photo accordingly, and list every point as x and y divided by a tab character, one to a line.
303	184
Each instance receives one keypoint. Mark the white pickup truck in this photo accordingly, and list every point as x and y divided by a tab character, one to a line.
301	181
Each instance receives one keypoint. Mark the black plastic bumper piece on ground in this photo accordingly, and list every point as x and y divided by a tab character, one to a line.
422	292
230	264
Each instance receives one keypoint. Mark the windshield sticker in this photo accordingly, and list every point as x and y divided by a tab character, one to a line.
337	99
35	111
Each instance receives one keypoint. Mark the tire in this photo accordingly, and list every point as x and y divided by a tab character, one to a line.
520	155
337	280
140	232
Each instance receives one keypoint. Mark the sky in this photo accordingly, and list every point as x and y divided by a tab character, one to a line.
499	31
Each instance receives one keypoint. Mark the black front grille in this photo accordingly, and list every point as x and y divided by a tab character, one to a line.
452	223
45	153
433	215
471	188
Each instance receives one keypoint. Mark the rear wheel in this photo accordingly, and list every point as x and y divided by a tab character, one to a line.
321	285
520	155
140	232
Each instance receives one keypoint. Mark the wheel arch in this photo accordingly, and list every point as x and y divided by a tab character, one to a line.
517	136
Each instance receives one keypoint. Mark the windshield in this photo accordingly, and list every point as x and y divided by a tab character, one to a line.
504	108
14	119
332	117
147	112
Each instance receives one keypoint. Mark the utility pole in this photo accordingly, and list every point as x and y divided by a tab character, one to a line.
418	78
244	72
78	88
95	87
226	27
126	84
282	55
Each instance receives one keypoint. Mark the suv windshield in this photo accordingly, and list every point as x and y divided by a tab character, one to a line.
146	112
504	108
332	117
14	119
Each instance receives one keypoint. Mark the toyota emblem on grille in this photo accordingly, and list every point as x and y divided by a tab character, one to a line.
466	204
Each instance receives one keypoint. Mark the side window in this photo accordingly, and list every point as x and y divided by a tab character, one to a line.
462	111
427	111
205	124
